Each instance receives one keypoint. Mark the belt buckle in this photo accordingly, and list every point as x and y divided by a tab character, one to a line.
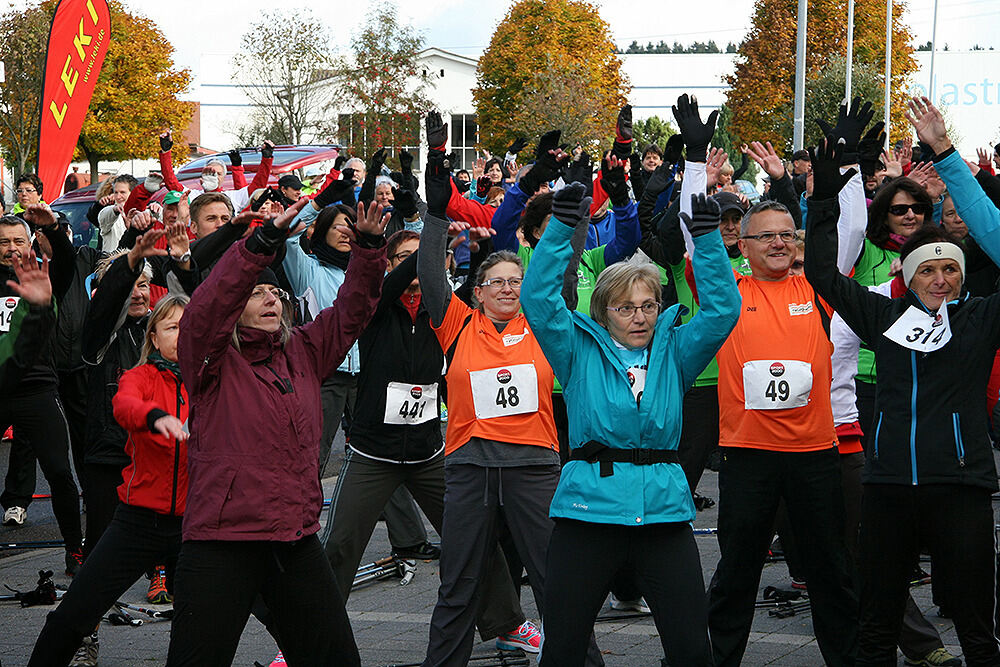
641	457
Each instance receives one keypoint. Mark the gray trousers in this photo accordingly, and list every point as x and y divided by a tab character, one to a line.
475	499
338	394
363	487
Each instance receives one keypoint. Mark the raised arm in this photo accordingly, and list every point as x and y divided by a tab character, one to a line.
627	232
167	163
435	291
263	173
62	262
31	323
782	190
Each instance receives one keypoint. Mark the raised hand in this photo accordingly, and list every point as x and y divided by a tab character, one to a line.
267	150
184	208
893	168
926	175
405	202
929	124
33	284
613	181
697	135
405	160
549	162
766	157
570	206
145	246
905	152
141	220
673	150
705	215
166	142
517	146
235	158
377	160
713	166
437	131
40	215
437	183
984	156
623	131
477	234
177	240
283	220
660	179
368	230
851	122
478	168
826	159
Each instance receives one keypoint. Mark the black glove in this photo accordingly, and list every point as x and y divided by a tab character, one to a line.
483	185
517	146
579	170
267	150
266	239
851	122
623	133
705	217
377	160
870	149
613	182
437	183
546	167
463	186
437	131
697	135
268	195
673	150
826	158
569	205
634	164
405	161
404	202
660	179
166	143
742	169
336	191
235	158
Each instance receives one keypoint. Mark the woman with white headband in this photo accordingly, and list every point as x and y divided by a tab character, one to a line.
929	473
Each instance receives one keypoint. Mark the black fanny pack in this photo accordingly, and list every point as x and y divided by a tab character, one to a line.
596	452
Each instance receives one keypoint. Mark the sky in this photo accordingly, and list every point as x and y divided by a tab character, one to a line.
464	26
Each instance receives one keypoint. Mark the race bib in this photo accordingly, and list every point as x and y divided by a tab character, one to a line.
503	391
637	381
7	306
920	331
410	403
776	385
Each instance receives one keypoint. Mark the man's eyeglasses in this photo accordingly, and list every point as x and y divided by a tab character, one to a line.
768	237
400	256
628	310
901	209
276	292
498	283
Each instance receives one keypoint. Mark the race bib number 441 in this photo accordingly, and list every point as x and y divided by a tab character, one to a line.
7	306
410	403
776	385
503	391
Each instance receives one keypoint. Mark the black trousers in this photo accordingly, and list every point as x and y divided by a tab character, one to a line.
750	484
40	420
100	492
700	433
865	399
217	583
665	560
956	523
73	394
136	540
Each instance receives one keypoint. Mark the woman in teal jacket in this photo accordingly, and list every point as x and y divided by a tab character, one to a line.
623	500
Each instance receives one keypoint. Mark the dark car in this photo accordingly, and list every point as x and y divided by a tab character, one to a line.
74	205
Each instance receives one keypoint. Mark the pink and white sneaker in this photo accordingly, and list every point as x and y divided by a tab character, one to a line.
527	638
278	660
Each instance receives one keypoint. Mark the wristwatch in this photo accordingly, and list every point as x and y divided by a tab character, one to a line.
186	257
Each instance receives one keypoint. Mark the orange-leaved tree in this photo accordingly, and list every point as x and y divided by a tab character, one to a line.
136	94
551	64
762	87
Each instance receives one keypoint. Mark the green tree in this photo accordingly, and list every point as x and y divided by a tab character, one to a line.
23	39
381	85
280	83
652	130
568	40
725	139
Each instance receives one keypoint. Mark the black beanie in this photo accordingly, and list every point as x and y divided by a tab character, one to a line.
267	277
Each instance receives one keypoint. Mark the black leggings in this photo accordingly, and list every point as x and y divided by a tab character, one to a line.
100	484
218	582
665	559
135	540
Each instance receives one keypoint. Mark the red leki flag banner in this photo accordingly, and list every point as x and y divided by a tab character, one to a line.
78	42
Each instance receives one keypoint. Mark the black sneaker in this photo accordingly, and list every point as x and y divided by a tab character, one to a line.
74	561
423	551
702	502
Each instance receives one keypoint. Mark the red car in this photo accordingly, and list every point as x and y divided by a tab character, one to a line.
74	205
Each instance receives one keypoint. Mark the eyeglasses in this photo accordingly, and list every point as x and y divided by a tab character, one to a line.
901	209
498	283
276	292
25	191
768	237
628	310
402	255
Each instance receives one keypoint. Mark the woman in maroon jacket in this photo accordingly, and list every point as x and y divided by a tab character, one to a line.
255	494
152	406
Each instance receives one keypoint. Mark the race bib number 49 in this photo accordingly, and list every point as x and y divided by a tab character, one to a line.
410	403
503	391
7	306
920	331
776	385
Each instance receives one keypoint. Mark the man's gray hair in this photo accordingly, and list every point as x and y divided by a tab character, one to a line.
354	163
760	207
217	161
13	221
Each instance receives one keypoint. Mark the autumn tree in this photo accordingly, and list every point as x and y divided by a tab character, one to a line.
554	60
23	37
762	86
287	106
381	92
136	94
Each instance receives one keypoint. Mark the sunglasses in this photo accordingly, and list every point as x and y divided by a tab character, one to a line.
901	209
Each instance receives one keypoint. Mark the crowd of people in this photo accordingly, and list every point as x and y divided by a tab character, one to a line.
591	335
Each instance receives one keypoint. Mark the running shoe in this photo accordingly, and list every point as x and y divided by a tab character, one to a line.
86	655
799	584
939	657
919	576
74	561
157	593
527	638
15	516
629	605
423	551
278	660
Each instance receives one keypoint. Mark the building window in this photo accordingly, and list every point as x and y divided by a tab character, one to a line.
464	137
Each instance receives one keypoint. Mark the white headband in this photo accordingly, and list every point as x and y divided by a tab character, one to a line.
932	251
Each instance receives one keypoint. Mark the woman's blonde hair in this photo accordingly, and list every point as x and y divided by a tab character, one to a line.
164	307
616	282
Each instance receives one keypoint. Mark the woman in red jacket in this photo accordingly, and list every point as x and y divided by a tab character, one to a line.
152	406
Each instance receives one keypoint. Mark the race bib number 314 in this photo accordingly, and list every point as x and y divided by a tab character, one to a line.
506	390
920	331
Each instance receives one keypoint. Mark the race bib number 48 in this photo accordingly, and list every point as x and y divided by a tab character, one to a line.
503	391
7	306
410	403
776	385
